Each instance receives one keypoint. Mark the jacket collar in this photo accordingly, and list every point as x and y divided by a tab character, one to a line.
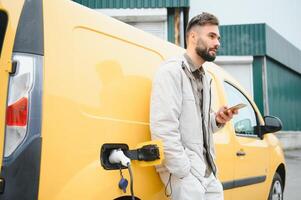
192	66
186	65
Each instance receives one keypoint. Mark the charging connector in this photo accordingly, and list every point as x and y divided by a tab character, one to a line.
118	157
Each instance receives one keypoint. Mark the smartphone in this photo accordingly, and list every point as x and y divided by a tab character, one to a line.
236	107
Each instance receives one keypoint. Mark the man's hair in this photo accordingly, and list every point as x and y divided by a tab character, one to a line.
201	20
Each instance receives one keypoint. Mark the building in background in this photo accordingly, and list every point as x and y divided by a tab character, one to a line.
163	18
268	66
264	62
283	16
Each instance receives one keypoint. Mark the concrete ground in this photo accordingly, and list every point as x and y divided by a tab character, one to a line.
289	139
293	181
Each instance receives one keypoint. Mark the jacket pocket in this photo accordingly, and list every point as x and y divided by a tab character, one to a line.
196	159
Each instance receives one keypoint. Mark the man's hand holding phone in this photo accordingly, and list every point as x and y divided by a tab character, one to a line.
236	107
225	114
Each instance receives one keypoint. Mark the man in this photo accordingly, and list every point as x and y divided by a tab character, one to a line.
181	116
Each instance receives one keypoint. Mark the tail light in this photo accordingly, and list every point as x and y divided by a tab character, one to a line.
17	111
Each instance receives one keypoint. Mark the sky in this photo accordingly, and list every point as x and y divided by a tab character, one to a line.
282	16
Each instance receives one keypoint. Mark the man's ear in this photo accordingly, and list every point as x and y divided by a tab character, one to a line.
192	37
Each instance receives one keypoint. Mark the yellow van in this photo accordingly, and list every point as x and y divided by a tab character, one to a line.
73	81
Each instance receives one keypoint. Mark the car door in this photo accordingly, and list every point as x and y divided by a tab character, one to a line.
251	152
222	139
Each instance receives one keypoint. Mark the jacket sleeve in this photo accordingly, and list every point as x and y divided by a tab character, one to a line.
213	125
165	111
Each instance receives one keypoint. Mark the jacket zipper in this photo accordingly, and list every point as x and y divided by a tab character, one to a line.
210	156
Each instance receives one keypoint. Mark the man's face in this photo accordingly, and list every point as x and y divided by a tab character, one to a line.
207	42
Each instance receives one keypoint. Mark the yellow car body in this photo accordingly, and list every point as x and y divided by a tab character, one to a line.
95	89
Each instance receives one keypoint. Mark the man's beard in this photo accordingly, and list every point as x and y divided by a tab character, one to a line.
204	52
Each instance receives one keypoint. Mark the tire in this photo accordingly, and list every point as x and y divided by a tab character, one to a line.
276	191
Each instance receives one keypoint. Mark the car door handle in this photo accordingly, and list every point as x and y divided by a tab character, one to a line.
240	153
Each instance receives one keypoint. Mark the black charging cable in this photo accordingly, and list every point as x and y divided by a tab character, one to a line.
131	181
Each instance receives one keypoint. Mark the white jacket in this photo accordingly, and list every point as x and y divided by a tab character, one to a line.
176	120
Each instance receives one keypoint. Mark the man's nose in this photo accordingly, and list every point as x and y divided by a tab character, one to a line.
217	43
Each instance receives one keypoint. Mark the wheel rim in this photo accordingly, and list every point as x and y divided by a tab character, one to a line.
277	191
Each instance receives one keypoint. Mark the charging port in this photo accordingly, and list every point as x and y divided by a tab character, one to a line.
147	152
105	153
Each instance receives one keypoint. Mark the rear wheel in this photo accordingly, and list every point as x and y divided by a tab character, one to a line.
276	191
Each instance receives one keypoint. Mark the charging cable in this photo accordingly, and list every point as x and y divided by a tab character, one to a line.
117	157
132	182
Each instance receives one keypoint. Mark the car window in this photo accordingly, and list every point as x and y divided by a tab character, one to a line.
245	121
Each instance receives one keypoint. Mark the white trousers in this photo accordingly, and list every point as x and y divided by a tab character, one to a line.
191	188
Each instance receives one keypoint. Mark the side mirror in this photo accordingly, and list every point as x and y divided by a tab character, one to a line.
272	124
